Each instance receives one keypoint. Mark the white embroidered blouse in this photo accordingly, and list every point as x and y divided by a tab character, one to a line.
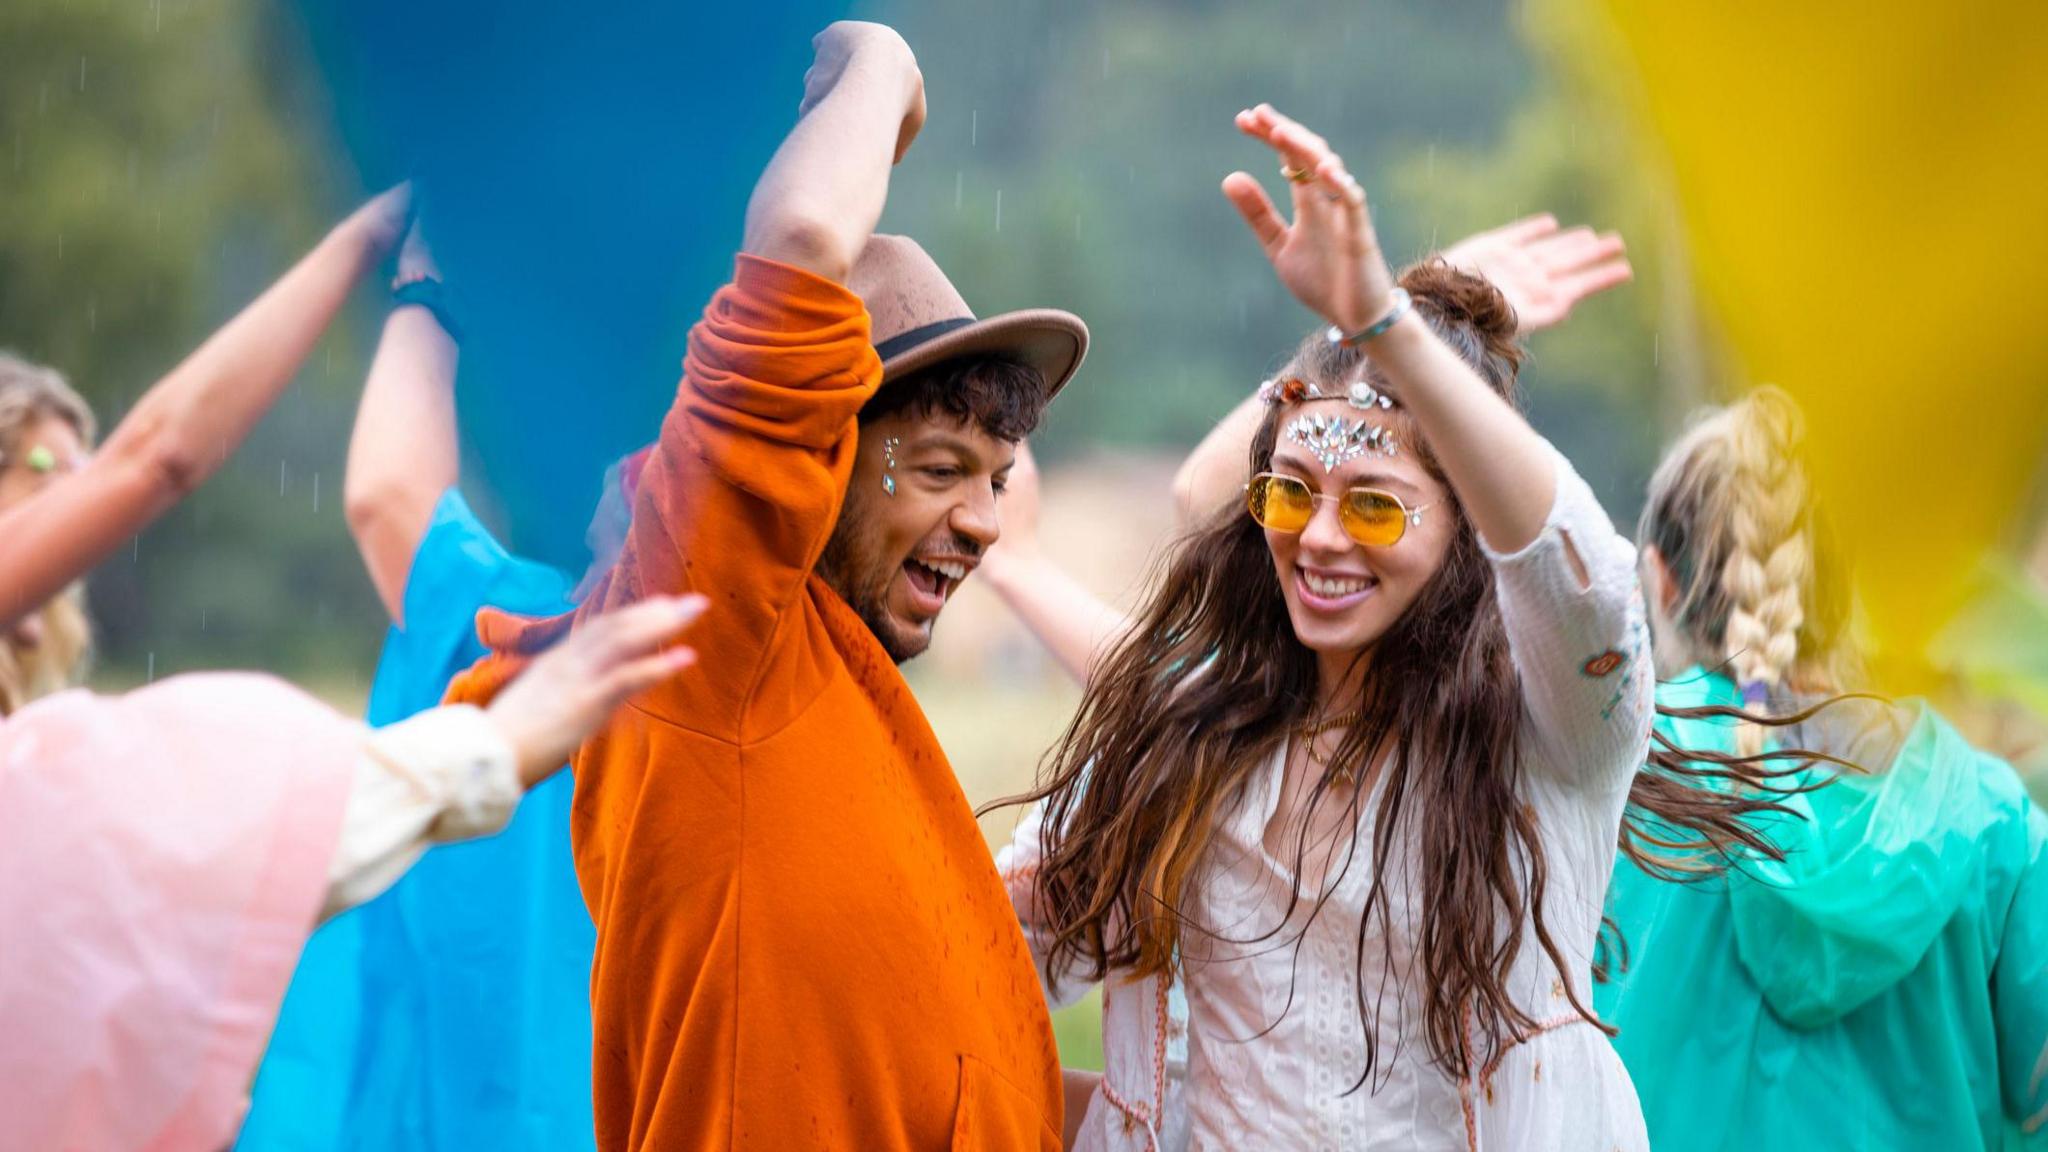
1258	1042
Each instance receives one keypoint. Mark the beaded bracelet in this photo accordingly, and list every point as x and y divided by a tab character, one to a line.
1401	302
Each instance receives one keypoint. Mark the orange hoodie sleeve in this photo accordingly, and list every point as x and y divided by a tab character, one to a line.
745	484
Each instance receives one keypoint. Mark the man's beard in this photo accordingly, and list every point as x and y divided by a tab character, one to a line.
842	567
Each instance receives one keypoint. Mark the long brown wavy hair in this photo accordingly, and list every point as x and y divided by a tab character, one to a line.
1209	681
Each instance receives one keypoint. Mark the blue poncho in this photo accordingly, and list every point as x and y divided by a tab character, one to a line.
452	1012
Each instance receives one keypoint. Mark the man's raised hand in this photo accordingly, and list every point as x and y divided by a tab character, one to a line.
856	44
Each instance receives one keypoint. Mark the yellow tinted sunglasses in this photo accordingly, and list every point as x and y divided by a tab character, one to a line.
1372	516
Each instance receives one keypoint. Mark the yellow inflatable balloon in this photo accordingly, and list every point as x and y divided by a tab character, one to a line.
1865	191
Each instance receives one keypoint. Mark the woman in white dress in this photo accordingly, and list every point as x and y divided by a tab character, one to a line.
1334	823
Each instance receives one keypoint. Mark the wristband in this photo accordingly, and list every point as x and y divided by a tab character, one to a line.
1401	303
432	295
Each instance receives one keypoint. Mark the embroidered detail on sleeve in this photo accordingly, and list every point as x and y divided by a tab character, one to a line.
1635	643
1605	664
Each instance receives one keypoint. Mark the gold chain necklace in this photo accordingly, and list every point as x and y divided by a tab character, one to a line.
1309	732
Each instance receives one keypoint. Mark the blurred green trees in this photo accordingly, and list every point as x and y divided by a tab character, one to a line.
160	160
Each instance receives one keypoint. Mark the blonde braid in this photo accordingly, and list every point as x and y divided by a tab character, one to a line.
1770	547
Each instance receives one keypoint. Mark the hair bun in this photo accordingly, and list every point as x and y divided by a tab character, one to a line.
1462	298
1470	313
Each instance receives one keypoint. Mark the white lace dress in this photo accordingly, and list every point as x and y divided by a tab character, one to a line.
1259	1044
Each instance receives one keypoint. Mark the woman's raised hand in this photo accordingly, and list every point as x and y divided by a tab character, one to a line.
571	690
415	257
1543	271
1327	256
379	224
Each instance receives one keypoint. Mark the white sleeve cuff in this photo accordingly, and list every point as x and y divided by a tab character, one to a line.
445	774
462	761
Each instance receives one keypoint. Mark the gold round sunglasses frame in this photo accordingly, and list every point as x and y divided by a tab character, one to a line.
1373	517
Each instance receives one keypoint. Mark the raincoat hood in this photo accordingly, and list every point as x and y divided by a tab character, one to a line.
1894	964
1876	863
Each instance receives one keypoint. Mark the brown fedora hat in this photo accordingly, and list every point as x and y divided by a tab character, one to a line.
920	319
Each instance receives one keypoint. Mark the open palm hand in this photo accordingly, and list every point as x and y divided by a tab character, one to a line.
1327	255
1544	272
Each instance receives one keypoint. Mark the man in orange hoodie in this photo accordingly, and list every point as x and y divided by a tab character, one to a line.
802	940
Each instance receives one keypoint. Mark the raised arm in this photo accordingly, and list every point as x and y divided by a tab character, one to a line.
1073	623
1565	580
1544	272
1330	258
821	196
405	452
744	484
185	427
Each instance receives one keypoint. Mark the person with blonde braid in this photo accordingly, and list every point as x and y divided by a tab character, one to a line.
1770	553
1885	983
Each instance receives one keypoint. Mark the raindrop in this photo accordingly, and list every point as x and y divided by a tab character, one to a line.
316	493
999	209
280	477
151	674
973	127
81	73
1656	350
60	246
959	182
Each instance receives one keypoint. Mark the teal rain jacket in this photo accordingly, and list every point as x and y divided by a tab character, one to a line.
1886	986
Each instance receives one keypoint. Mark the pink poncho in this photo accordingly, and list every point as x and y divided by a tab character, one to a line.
163	856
